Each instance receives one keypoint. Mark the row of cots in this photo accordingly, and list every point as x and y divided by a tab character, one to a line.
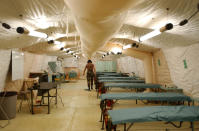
110	118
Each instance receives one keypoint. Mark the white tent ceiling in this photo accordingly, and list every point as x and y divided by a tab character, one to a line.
96	21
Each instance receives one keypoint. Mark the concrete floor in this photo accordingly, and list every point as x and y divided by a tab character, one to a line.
80	113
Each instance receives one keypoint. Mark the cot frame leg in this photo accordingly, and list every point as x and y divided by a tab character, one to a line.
103	111
176	126
110	126
125	127
192	125
130	126
102	103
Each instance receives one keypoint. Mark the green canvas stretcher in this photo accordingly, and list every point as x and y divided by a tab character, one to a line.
131	85
154	113
121	81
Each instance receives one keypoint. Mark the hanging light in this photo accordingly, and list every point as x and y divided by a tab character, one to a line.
66	49
185	21
119	53
57	43
22	30
168	26
69	52
115	50
129	46
38	34
5	25
50	41
60	45
134	44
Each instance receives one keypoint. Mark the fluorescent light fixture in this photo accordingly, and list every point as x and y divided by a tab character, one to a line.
130	46
38	34
50	38
108	53
61	45
168	26
150	35
127	46
70	52
65	49
115	50
22	30
57	42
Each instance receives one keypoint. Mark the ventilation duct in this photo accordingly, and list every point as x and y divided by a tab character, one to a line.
98	20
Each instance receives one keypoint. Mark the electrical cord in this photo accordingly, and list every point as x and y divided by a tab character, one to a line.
185	21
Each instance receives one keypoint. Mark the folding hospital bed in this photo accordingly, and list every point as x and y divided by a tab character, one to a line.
107	99
121	81
169	114
101	88
131	85
116	78
101	79
136	86
109	74
101	73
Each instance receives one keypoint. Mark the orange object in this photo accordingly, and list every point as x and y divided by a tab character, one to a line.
109	103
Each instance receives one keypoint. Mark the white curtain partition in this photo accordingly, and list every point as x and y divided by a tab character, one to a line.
183	63
129	64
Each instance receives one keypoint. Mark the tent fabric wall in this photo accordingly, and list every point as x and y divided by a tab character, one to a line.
29	62
36	63
5	57
147	60
6	82
161	69
80	63
129	64
185	78
70	62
